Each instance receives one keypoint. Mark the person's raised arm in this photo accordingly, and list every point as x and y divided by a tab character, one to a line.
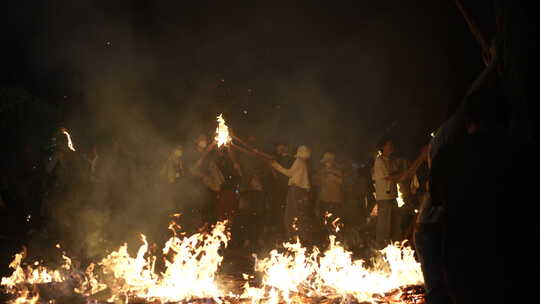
205	153
288	172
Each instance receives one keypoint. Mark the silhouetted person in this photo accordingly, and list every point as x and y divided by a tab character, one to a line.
227	200
70	174
205	181
478	179
252	197
278	193
173	184
428	241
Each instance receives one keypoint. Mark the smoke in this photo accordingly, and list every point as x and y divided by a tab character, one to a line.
148	76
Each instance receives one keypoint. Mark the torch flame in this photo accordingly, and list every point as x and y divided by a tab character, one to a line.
399	199
70	143
222	132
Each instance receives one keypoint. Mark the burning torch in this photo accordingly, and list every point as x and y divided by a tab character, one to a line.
69	142
225	138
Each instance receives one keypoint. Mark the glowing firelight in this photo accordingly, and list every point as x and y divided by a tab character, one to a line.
399	199
190	272
291	274
222	132
70	143
293	270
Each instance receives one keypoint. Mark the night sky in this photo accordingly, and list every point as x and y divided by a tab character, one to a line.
329	73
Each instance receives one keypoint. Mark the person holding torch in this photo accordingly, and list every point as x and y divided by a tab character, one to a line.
299	209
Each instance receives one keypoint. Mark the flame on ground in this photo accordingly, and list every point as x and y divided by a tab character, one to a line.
191	265
222	132
291	274
332	273
24	277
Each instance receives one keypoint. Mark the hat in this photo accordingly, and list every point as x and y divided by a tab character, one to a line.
303	152
328	156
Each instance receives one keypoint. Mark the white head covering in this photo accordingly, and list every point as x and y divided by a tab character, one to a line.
328	156
303	152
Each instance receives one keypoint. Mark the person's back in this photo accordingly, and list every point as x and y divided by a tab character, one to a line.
471	180
476	179
465	181
252	173
331	185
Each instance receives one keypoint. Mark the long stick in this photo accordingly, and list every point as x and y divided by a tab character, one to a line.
242	142
252	152
252	148
475	30
415	165
241	149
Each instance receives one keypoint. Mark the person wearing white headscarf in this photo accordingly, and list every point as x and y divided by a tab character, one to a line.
299	209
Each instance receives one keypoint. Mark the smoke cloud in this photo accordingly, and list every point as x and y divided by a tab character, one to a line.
151	75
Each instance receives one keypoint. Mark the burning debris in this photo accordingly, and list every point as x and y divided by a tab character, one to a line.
190	273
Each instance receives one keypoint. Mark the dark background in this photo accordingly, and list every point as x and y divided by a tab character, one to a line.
332	74
336	75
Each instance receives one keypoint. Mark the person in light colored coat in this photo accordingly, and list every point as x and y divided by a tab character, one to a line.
299	211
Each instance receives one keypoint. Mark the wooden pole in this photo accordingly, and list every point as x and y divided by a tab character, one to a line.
251	152
252	148
415	165
475	30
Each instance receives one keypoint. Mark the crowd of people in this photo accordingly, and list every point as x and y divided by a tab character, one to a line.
449	201
267	200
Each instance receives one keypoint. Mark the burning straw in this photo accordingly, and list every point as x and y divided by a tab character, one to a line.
295	272
191	265
291	274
